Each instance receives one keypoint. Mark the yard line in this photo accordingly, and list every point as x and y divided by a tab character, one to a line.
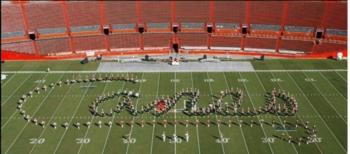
75	112
175	112
7	81
317	113
3	126
245	142
279	119
54	113
37	109
333	87
301	70
24	81
133	118
341	76
154	118
251	102
341	117
216	117
110	128
295	114
197	131
93	117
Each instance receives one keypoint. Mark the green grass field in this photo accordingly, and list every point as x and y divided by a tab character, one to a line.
321	96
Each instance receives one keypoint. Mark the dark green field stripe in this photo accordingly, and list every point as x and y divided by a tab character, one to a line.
207	134
338	83
256	87
253	135
266	82
32	108
9	109
322	107
307	110
98	136
45	111
193	145
165	88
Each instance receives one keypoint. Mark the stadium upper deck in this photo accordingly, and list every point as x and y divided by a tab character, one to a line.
284	28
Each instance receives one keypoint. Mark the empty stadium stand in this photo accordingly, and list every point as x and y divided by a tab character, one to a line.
279	28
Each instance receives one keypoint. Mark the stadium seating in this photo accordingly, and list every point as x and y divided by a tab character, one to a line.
73	27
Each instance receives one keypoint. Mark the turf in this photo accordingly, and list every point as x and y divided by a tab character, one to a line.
74	65
322	98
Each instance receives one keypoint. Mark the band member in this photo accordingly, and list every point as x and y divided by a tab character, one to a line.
54	124
165	122
65	125
77	125
42	123
163	136
122	124
187	136
88	124
99	123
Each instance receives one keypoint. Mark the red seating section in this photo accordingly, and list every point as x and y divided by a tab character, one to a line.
296	45
157	40
226	41
193	39
260	43
45	15
124	40
229	12
56	45
12	20
23	17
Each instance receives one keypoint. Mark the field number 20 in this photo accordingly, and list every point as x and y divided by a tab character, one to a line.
36	140
82	140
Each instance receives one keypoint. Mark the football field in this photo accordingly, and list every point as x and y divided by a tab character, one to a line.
319	87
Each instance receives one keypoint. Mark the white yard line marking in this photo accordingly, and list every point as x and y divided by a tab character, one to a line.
341	76
306	70
133	118
3	126
110	128
245	142
154	118
211	93
333	87
37	109
92	119
14	91
279	119
326	100
317	113
319	149
54	113
75	112
197	131
251	102
7	81
175	110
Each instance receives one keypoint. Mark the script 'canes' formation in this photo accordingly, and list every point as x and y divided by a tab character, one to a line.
37	90
287	106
